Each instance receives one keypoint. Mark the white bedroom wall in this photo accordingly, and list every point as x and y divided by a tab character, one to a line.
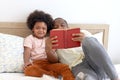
74	11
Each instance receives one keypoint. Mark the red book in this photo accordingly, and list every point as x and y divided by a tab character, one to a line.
64	37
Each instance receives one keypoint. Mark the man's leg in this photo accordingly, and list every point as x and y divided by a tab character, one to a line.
98	58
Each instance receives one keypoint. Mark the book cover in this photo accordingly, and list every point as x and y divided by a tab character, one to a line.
64	37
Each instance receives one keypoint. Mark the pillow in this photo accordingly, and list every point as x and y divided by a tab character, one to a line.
99	37
87	33
11	53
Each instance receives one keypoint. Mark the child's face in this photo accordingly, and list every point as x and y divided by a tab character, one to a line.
40	29
60	24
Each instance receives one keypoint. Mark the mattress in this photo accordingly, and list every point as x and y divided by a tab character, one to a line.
20	76
117	66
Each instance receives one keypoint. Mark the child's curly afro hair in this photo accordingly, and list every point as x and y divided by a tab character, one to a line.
40	16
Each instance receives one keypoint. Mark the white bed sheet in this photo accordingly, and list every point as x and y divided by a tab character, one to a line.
20	76
117	66
16	76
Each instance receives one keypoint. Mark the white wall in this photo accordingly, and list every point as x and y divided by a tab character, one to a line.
74	11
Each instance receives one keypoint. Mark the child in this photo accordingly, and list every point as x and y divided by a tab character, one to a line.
36	62
92	67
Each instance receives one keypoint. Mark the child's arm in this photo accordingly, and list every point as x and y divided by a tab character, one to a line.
52	56
27	56
51	53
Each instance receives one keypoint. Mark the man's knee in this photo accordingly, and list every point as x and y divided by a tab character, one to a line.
90	42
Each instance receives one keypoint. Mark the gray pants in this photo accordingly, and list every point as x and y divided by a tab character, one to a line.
96	64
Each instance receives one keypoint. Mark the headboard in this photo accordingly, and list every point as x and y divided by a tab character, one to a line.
20	29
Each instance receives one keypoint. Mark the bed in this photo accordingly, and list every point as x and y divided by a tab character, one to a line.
11	57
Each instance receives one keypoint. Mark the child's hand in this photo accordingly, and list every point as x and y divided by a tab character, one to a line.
48	45
54	41
51	53
50	42
27	64
78	37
